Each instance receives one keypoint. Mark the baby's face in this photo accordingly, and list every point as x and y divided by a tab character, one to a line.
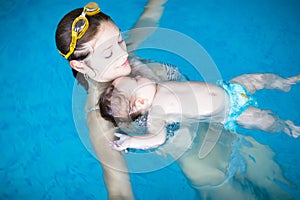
137	88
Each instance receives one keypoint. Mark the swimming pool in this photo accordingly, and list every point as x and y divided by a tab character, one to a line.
42	156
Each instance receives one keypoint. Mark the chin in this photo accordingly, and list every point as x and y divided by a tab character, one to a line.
126	71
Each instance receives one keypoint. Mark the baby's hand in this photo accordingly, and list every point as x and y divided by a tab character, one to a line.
122	143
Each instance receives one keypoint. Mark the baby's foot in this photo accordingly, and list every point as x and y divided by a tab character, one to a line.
285	84
293	130
273	81
293	79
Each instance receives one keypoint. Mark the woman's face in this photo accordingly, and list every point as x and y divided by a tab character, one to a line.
108	59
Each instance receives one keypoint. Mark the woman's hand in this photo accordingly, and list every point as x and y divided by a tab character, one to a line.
122	143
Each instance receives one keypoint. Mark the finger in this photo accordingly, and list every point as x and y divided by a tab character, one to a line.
115	146
114	143
118	148
118	135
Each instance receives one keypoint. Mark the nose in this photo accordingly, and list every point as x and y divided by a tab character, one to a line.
121	54
124	58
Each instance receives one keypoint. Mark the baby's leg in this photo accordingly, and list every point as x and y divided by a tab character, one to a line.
255	118
253	82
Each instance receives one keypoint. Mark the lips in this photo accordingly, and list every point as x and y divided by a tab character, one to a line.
125	63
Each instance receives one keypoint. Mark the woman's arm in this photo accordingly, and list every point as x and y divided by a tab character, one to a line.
115	172
140	32
149	18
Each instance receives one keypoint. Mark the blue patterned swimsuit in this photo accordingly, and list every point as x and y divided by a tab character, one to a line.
240	100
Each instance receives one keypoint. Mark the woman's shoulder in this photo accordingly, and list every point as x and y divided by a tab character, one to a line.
158	71
140	67
94	92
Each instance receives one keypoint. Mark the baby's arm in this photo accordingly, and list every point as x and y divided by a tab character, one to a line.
155	137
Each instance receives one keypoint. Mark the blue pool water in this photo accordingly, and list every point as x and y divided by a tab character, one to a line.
42	156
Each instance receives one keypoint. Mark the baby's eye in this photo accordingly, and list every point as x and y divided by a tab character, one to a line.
106	57
121	41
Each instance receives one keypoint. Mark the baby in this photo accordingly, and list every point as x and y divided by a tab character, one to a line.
228	103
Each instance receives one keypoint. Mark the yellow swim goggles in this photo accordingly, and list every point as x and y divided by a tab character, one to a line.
80	25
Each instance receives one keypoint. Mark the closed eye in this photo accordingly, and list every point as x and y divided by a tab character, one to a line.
106	57
120	40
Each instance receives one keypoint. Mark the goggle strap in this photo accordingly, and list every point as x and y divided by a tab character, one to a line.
61	53
90	9
66	56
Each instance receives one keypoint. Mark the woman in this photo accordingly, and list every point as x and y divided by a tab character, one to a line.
109	67
94	47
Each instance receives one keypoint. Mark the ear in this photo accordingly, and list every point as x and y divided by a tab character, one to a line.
78	66
140	104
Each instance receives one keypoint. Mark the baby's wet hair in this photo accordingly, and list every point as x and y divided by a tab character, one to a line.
105	105
114	106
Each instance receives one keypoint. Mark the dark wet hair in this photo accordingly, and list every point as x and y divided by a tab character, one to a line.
63	38
114	106
105	105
